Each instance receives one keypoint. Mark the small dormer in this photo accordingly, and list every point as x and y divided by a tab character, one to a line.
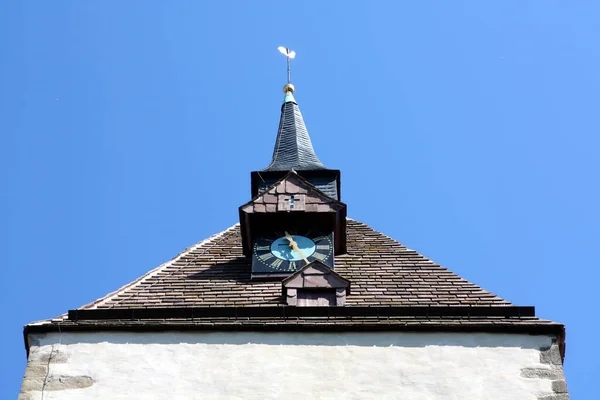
315	285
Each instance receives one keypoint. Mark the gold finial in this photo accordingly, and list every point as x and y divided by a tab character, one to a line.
289	88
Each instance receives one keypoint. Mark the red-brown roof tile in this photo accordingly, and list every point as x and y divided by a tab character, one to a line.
386	277
383	272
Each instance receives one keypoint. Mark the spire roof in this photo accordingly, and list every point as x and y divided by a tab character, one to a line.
293	147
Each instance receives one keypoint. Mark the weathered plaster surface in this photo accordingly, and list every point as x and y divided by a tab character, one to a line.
227	365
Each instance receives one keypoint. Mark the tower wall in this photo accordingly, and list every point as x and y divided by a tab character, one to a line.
256	365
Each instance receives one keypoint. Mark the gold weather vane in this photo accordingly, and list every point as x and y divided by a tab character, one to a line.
289	54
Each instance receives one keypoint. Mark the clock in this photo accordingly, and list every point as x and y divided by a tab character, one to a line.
284	253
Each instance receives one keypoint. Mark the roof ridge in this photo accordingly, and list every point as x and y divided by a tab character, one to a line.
151	273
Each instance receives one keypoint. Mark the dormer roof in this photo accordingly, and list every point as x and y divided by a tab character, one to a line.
316	275
292	184
316	278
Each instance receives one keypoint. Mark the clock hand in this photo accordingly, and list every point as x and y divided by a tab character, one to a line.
295	247
289	237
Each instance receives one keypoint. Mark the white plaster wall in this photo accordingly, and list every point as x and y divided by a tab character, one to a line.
244	365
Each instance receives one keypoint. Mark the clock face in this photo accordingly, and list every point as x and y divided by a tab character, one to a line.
280	248
275	254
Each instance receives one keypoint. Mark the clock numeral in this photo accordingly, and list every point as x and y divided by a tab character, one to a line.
292	266
263	248
320	256
322	247
266	256
276	263
318	239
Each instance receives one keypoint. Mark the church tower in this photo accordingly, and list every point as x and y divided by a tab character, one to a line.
296	301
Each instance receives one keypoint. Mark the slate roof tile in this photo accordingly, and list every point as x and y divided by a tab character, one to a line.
293	147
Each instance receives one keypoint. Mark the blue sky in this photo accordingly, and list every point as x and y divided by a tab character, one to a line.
467	130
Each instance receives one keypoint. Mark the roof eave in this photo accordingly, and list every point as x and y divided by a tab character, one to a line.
551	329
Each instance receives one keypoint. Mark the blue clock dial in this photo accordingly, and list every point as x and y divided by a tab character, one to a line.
282	253
281	248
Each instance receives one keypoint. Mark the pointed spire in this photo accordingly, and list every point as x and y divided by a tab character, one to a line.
293	148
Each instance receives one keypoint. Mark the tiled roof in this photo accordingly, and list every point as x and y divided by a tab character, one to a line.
382	271
208	286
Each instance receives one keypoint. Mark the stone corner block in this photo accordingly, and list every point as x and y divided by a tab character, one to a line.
550	355
27	396
46	356
559	386
563	396
68	382
542	373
